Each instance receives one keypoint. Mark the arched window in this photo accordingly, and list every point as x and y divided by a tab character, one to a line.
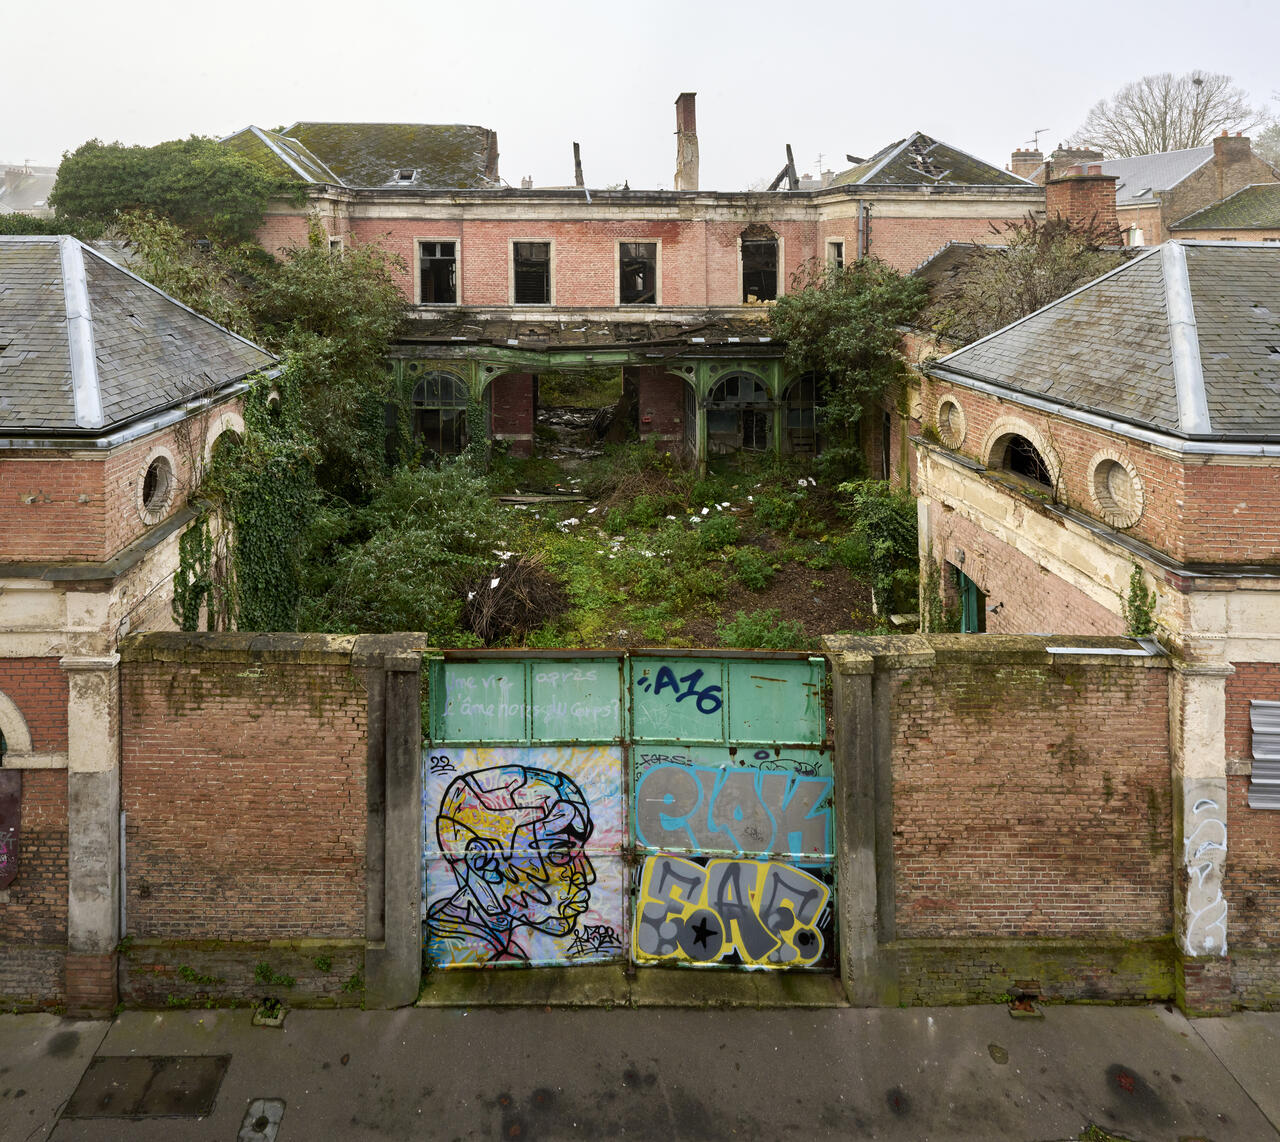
1016	454
801	400
440	412
739	415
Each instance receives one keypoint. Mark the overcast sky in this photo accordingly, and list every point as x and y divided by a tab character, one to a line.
829	77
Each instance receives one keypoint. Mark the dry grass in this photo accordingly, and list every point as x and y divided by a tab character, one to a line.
513	599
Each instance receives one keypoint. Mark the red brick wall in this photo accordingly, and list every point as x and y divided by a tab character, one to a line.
661	402
1251	680
51	508
126	467
512	412
244	785
1251	882
1084	200
1166	494
36	912
1034	825
907	242
38	687
1035	600
1232	515
280	231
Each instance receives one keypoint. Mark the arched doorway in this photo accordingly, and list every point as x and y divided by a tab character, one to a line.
800	403
739	416
439	411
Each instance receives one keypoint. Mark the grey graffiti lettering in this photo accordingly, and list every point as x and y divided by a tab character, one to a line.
729	893
673	882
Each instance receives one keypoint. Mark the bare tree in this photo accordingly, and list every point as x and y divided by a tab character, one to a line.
1167	112
1267	143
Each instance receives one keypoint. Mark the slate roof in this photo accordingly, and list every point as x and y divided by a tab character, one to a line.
949	261
1184	339
919	160
1253	208
281	155
25	189
86	346
1141	178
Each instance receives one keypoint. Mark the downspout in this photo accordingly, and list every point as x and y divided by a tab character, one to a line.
862	238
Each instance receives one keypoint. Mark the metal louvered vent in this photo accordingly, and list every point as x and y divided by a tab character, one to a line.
1264	788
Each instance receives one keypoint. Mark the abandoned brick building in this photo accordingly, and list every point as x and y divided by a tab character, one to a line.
672	287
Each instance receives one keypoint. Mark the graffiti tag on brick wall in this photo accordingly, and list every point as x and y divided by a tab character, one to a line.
522	855
1204	855
702	809
10	818
759	913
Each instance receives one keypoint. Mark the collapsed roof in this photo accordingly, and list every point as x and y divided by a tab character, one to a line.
919	160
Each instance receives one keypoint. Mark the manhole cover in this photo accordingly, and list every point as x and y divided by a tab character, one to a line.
148	1086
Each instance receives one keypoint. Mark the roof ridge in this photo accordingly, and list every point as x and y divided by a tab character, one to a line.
1184	340
86	386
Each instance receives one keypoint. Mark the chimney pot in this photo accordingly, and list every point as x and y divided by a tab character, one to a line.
1095	168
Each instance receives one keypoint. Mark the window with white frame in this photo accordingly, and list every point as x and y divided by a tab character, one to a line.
531	273
437	272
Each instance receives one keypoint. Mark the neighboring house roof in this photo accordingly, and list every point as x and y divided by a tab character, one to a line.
25	189
280	154
1252	208
86	346
1141	178
1183	339
919	160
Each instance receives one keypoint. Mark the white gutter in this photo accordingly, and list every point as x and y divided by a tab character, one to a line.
86	391
1184	339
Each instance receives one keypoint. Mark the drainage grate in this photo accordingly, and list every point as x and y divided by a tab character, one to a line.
148	1086
261	1120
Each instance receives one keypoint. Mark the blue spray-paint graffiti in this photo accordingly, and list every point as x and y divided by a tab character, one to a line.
708	699
699	808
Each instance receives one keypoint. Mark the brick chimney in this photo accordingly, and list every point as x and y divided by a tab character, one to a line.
1025	163
1084	196
1232	160
686	143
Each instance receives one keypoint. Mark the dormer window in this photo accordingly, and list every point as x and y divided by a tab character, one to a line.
406	175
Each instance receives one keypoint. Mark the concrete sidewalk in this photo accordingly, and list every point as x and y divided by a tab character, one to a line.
1145	1073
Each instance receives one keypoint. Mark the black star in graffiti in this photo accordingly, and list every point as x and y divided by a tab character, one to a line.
702	931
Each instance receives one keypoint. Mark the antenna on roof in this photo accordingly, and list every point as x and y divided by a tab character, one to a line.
1035	140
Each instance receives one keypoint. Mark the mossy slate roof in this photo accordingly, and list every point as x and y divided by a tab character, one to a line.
149	352
1108	348
1253	208
919	160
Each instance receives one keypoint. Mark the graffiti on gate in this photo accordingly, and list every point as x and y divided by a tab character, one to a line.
758	913
708	698
521	861
775	806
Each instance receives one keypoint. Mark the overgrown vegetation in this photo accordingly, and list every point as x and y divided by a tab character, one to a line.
1139	605
843	326
196	183
1033	264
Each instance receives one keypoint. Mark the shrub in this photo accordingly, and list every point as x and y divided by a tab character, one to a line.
763	630
884	518
717	532
753	567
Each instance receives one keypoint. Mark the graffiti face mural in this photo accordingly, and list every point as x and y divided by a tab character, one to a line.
511	877
514	839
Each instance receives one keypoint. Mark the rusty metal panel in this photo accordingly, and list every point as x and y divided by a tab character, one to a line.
677	699
777	700
10	824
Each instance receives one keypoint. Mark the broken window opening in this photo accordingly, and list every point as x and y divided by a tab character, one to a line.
638	273
438	273
531	271
801	402
1022	459
759	269
739	416
439	408
835	255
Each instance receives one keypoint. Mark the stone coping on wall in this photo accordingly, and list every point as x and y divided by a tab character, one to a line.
869	654
244	646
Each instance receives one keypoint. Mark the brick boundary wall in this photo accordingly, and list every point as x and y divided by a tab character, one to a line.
250	817
1002	841
38	687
